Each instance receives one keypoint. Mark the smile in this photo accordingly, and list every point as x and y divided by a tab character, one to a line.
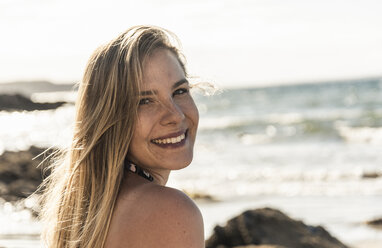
173	140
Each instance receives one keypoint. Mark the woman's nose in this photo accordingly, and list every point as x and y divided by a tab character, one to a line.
172	113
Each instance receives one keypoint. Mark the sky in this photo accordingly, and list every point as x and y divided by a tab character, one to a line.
227	42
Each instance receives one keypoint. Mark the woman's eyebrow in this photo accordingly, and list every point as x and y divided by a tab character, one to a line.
148	93
154	92
180	82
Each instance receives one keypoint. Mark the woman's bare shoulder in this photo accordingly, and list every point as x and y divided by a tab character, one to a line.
170	198
157	216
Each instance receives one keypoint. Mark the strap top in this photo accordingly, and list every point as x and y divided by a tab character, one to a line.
138	170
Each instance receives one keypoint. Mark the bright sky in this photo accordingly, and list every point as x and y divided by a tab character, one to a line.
228	42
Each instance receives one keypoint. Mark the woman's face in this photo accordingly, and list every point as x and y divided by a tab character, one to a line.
167	121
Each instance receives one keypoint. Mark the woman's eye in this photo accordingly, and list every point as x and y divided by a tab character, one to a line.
145	101
181	91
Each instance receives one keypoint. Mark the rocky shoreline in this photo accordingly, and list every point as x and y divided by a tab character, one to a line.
267	227
16	96
20	176
18	102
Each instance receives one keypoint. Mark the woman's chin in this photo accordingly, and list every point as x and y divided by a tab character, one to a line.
180	164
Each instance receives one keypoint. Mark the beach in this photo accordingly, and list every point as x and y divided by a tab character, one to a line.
309	150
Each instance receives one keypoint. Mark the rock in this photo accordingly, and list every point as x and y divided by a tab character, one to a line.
270	227
19	173
260	246
18	102
376	223
370	175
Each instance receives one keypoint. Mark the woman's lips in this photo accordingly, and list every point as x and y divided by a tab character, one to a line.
172	140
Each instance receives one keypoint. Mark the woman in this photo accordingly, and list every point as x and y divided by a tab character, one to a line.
135	122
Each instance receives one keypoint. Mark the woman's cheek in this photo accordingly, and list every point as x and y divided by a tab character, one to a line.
193	109
148	110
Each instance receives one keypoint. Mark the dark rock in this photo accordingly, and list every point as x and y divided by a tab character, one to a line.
19	173
19	102
260	246
377	223
268	226
370	175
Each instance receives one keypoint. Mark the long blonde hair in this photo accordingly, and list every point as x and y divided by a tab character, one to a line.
80	193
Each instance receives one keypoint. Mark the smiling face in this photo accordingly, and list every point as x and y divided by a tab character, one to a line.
165	130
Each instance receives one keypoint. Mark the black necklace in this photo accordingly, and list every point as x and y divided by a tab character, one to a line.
138	170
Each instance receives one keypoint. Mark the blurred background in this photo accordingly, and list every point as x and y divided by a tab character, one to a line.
297	124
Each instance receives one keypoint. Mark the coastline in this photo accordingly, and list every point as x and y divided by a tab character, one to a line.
344	217
213	213
311	211
317	163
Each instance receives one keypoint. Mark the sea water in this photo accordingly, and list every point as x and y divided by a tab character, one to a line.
312	151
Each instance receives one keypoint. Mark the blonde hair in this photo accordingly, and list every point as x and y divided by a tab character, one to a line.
80	193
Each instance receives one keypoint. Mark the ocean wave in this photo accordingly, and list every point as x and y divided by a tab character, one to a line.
288	118
275	182
320	124
372	135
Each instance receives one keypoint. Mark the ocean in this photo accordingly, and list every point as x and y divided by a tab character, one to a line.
310	150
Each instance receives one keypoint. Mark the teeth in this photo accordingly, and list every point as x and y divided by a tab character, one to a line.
170	140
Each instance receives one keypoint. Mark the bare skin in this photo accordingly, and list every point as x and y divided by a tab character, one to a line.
149	214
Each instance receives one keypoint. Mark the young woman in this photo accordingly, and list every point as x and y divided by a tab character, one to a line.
135	122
